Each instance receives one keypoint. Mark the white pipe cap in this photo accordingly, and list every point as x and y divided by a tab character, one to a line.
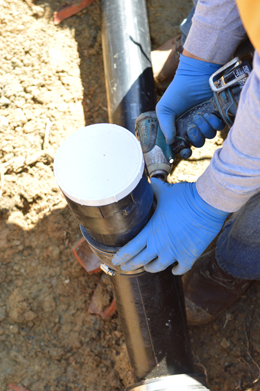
99	164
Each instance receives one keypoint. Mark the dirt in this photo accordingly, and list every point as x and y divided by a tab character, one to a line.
51	84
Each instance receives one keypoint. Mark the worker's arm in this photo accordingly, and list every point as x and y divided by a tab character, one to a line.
233	175
189	216
215	33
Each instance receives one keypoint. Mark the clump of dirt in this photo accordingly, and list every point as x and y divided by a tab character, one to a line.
51	84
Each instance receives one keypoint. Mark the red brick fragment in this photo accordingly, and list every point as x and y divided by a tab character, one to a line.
86	257
69	10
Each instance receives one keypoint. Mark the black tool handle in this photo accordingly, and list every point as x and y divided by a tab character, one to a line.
187	119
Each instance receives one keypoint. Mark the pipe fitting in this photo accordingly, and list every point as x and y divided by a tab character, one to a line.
183	382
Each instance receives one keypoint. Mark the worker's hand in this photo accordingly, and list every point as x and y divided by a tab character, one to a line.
181	228
203	126
189	87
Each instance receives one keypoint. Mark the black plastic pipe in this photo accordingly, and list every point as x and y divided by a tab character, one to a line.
126	55
152	314
115	224
151	306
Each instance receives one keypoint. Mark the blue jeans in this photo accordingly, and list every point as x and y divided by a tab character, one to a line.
238	246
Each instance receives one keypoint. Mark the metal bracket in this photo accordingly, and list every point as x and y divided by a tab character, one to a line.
107	270
233	64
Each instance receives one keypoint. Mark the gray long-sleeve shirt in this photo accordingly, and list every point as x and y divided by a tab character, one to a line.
233	175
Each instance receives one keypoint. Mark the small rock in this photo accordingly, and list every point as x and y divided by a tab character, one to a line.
56	354
29	316
12	89
16	63
118	334
17	305
41	97
102	302
18	308
49	304
14	329
53	252
29	127
26	62
225	344
4	101
38	12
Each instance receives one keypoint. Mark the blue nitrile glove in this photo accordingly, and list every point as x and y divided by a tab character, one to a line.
203	126
181	228
189	88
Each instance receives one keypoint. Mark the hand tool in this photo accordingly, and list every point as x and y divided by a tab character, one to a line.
226	84
158	155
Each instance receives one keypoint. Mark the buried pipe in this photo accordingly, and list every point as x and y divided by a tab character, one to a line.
150	306
126	55
100	169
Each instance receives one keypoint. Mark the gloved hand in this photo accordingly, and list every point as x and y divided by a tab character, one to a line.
181	228
189	88
204	126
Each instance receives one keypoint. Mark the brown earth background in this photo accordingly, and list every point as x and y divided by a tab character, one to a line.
52	83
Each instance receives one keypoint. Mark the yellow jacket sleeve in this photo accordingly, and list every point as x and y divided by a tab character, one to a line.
250	15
